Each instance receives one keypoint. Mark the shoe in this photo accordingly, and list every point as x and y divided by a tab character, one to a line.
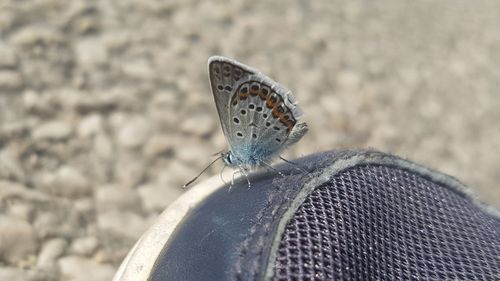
355	215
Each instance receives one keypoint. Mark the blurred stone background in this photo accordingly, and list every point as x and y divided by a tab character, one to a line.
105	107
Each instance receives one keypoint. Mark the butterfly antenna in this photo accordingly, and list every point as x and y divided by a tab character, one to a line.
296	166
218	153
206	168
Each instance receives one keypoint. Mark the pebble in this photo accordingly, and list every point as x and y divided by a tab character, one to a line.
114	197
90	51
84	246
10	189
134	132
13	273
165	100
348	79
138	68
51	250
41	104
103	147
60	220
129	170
94	103
31	99
107	255
17	240
90	125
198	125
10	80
176	174
30	35
35	274
84	205
22	210
67	182
18	128
48	224
53	130
77	268
191	152
8	58
162	108
156	197
73	181
10	166
158	145
50	273
125	224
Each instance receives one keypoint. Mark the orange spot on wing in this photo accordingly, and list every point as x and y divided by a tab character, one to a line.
288	123
262	96
243	96
269	103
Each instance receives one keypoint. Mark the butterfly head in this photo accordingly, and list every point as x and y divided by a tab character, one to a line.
229	159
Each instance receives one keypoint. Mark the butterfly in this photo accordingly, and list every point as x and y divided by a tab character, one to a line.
259	117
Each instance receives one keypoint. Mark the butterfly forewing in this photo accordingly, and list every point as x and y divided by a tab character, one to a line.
224	77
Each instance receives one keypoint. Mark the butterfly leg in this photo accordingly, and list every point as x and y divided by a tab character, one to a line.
242	170
232	179
272	168
220	175
295	165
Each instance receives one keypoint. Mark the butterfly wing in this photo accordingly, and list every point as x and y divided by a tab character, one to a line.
262	123
259	117
224	75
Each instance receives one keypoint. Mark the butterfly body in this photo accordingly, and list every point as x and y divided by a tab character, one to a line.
259	117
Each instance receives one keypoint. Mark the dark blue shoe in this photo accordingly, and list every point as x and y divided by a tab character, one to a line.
358	215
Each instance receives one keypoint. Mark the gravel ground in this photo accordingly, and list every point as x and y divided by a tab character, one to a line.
105	108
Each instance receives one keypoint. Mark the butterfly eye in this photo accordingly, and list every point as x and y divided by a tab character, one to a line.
268	124
265	91
243	112
276	128
239	134
228	88
278	140
244	90
235	102
254	136
259	108
264	115
236	120
251	106
220	87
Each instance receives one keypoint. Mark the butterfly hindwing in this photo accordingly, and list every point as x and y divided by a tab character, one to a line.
261	122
